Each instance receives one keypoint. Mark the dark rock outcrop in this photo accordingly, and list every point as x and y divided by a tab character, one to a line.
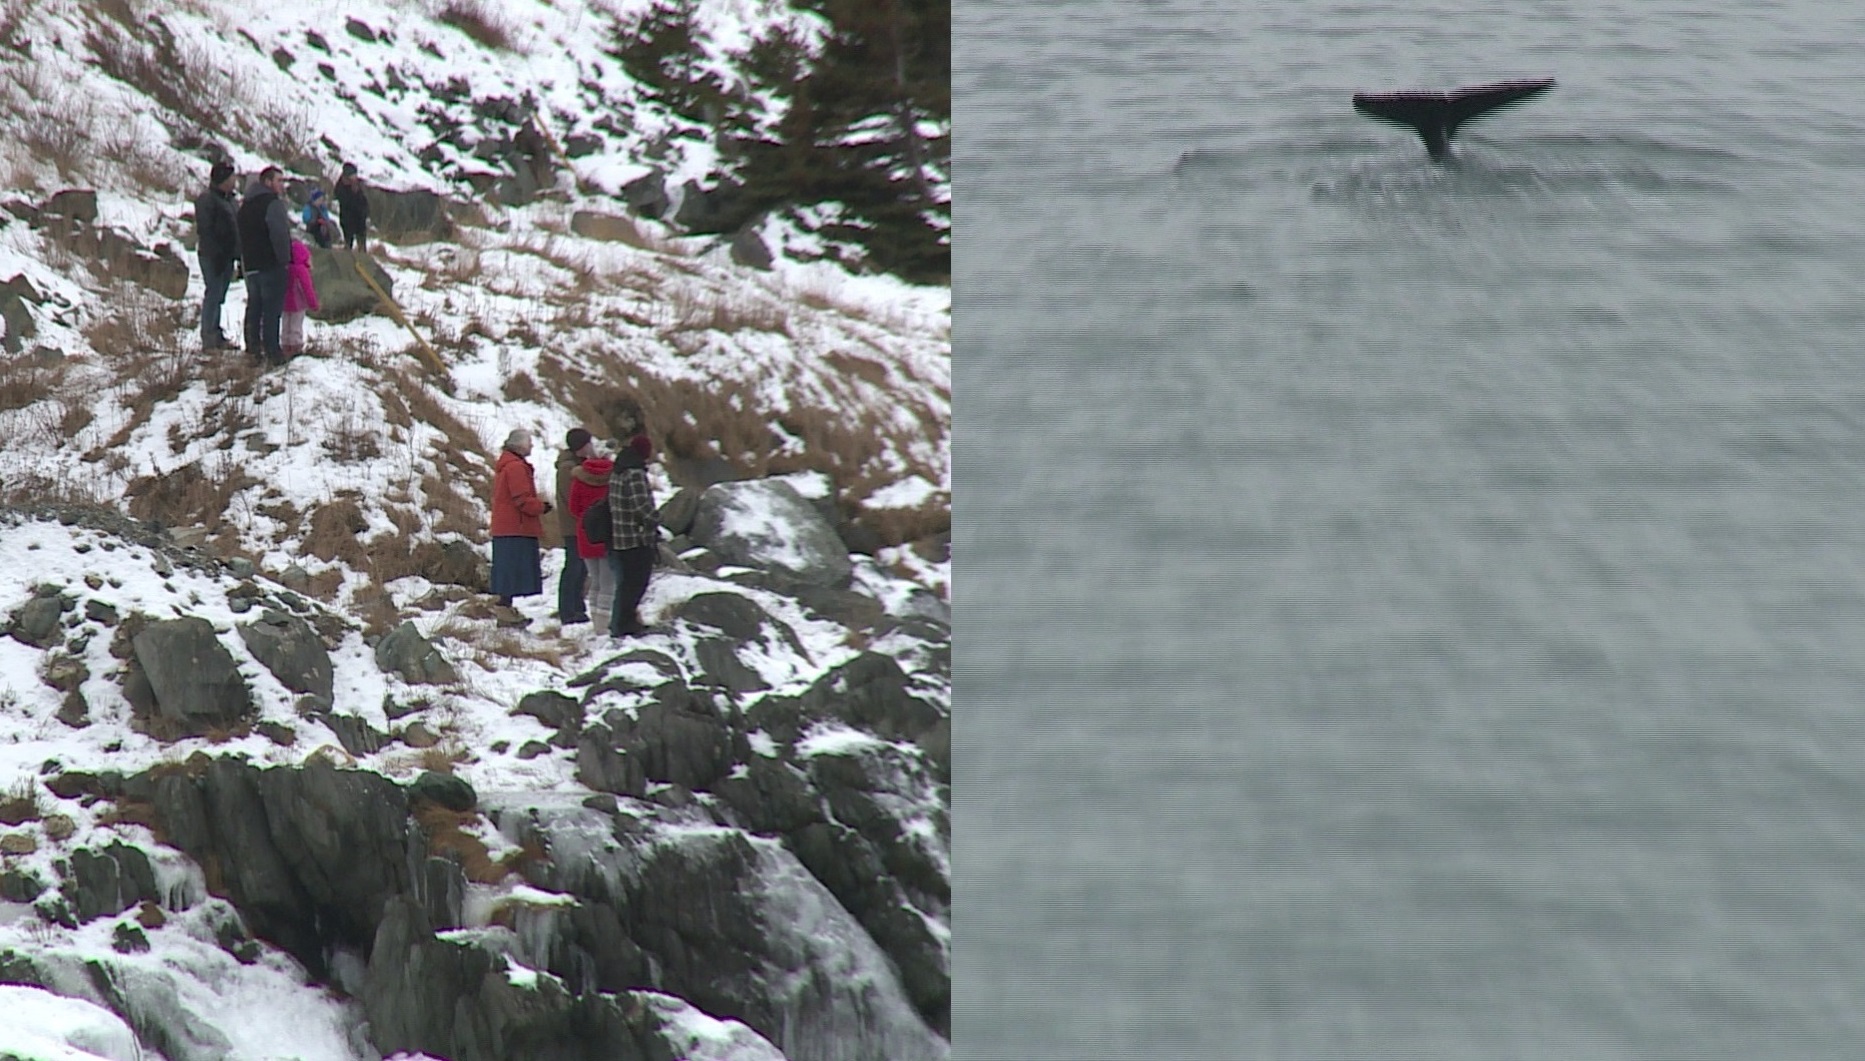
194	686
291	649
311	855
459	1000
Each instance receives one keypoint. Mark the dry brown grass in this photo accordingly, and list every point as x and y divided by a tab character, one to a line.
898	526
452	510
692	308
333	532
443	757
24	379
477	21
198	492
865	369
519	387
447	838
21	803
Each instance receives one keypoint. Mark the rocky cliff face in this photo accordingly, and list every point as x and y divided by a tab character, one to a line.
728	838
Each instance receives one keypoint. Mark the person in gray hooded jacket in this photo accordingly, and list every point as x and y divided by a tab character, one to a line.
264	226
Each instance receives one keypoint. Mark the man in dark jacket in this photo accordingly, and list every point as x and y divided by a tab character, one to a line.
264	226
353	206
217	247
635	532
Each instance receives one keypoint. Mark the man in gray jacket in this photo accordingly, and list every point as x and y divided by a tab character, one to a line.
264	227
217	247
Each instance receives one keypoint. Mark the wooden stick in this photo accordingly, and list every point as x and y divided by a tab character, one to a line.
396	312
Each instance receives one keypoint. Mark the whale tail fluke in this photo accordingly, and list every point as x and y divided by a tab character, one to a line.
1435	116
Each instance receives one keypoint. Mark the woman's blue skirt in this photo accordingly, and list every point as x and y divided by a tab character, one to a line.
517	569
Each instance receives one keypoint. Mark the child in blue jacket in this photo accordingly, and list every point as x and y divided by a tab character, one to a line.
317	219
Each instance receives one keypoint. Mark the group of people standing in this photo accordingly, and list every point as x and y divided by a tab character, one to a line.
253	235
607	578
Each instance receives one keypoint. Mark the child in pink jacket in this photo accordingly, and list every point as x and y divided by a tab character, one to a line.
300	295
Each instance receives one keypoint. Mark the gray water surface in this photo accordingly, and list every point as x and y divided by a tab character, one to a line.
1409	611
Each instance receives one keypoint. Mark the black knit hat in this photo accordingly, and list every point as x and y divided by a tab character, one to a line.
220	171
576	439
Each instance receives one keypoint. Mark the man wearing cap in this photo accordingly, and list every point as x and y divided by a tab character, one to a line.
217	247
353	206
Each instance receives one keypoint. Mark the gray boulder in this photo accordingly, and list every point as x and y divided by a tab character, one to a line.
677	514
551	708
458	564
37	622
104	881
405	652
750	250
682	736
765	523
342	294
448	790
732	614
720	666
192	679
291	649
610	762
408	216
647	195
20	326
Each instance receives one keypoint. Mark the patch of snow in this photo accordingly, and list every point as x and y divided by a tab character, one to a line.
48	1027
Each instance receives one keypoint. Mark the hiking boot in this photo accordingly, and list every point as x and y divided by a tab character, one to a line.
507	616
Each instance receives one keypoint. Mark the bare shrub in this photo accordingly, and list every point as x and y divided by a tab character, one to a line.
53	122
353	441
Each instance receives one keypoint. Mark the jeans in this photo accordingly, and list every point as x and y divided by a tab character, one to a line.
265	306
570	606
216	296
632	568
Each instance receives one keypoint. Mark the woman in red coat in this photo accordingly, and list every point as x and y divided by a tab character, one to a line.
517	570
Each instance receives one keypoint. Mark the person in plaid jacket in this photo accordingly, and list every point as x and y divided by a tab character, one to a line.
634	541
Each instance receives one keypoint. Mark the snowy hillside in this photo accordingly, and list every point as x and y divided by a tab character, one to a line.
723	839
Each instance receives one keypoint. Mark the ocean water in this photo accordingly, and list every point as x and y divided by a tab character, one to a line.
1409	611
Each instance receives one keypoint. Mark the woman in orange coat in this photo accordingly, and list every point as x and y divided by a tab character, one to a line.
517	570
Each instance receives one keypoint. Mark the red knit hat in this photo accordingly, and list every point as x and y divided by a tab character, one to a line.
642	446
